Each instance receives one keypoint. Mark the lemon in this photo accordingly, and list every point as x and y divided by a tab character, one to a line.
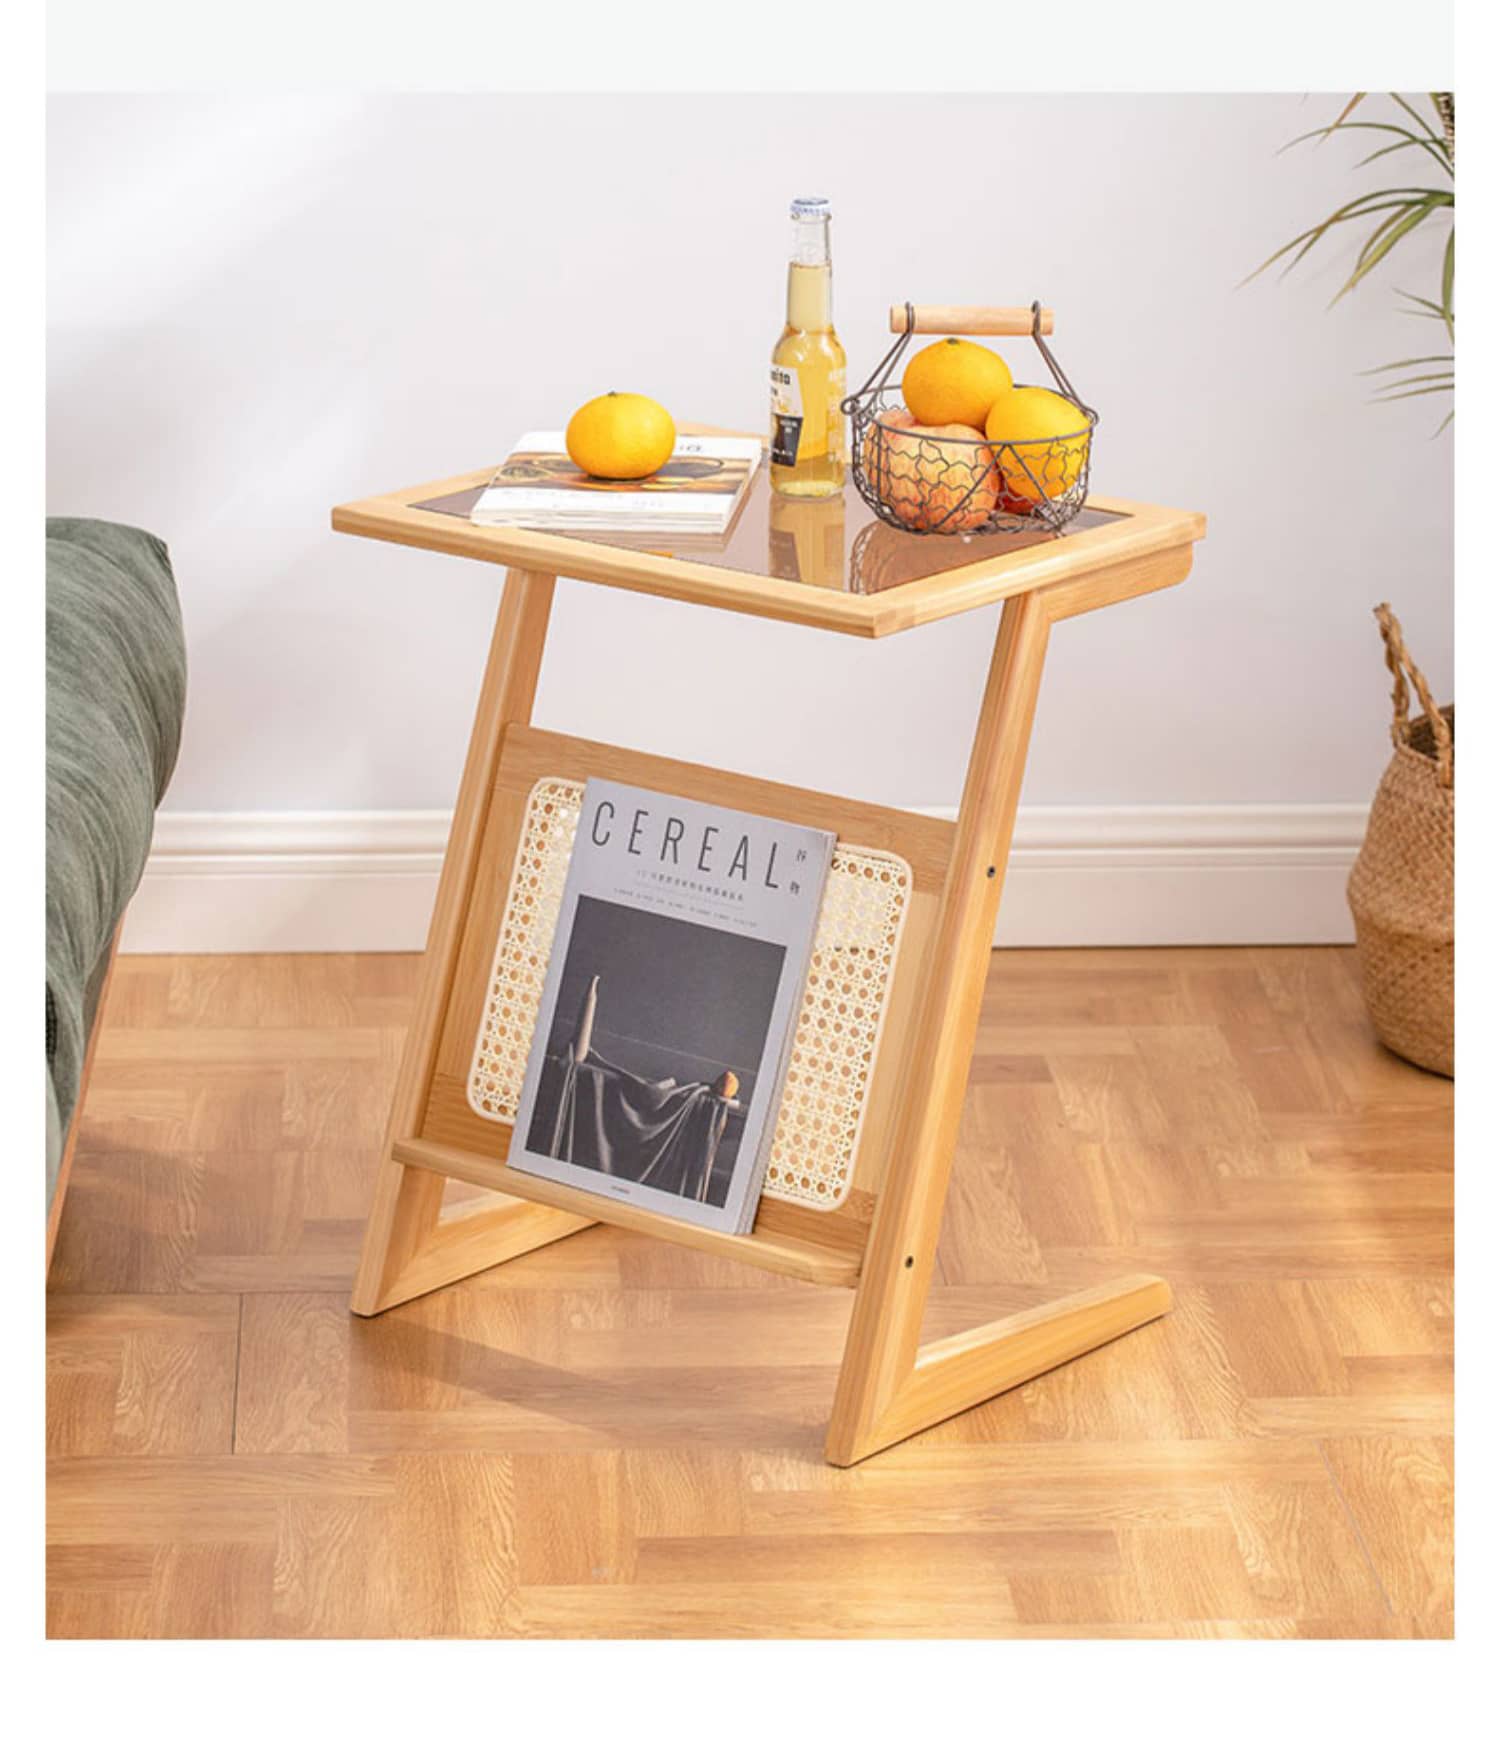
621	436
1031	412
953	380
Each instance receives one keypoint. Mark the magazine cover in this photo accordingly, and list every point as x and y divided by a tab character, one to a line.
671	998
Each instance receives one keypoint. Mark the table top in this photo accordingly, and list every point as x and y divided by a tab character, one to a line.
829	564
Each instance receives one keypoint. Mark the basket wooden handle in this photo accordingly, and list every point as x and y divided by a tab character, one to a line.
1402	666
969	320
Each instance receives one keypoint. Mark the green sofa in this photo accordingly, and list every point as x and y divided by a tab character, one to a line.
116	688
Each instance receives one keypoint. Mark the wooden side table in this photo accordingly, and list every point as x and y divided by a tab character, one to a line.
827	566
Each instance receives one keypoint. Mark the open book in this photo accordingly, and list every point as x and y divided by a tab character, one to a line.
696	492
671	999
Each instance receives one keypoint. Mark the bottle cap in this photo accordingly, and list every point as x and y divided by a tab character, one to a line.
812	207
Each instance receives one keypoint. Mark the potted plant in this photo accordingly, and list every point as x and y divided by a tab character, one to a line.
1401	887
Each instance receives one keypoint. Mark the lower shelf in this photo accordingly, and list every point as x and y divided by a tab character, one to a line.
834	1262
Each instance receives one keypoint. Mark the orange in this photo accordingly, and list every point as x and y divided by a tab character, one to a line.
1051	466
939	478
953	380
621	436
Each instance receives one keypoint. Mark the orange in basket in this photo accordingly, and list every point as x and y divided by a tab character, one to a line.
953	380
1058	432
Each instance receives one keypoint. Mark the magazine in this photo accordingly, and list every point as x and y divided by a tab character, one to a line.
671	999
696	492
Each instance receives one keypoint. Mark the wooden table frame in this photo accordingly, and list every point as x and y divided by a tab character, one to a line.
889	1385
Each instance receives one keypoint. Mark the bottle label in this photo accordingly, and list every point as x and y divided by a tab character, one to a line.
786	414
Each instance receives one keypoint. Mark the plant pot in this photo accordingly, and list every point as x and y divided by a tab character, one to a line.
1401	888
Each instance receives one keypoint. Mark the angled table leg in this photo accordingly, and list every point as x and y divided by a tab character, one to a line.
408	1249
887	1387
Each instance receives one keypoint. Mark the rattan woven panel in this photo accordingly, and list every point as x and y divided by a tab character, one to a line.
838	1031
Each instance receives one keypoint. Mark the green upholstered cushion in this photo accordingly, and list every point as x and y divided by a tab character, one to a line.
116	687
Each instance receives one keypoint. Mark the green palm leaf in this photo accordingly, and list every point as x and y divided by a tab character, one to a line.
1426	391
1399	202
1417	378
1382	241
1397	213
1418	360
1429	142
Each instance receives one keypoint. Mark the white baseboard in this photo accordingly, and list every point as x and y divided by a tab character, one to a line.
1079	876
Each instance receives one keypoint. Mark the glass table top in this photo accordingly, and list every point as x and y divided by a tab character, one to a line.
838	543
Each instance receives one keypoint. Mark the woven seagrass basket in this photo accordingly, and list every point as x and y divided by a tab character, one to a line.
1401	889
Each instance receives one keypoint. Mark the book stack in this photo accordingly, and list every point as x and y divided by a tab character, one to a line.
696	493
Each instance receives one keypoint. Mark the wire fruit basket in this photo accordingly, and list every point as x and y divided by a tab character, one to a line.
936	483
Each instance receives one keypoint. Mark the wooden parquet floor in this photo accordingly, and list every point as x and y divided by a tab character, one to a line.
614	1437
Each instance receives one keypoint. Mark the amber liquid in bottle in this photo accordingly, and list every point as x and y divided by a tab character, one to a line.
808	452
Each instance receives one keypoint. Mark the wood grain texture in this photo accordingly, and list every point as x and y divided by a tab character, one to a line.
968	320
878	1401
1117	555
617	1437
964	1369
65	1162
808	1254
407	1200
148	1374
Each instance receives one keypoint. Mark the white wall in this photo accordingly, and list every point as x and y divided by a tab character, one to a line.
262	306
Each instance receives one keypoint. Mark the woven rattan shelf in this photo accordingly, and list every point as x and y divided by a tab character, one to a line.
860	1164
